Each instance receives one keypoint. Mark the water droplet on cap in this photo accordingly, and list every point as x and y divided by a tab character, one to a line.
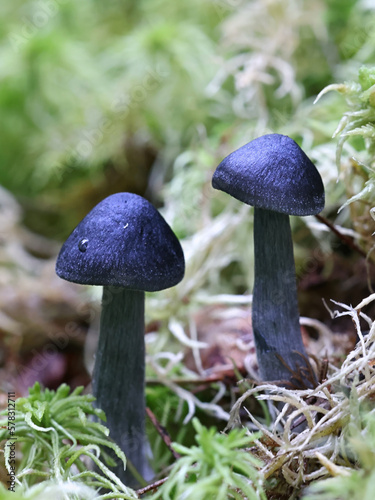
82	245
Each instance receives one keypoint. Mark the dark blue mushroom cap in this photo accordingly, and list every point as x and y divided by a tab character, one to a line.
123	241
272	172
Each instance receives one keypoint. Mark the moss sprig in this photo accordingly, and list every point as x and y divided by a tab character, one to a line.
58	439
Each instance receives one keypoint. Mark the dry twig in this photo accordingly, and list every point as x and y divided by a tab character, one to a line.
162	431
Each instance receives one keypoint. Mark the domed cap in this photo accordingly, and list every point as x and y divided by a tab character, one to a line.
123	241
272	172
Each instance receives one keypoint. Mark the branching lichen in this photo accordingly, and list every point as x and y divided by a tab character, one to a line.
316	451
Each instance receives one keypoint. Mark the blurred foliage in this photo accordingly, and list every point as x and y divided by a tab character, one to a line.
79	77
50	489
86	88
116	96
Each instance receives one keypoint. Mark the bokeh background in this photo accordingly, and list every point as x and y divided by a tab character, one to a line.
148	97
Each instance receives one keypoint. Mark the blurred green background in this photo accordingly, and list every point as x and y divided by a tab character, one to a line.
98	97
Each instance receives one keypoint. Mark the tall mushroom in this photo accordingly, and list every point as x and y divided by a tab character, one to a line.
126	246
274	175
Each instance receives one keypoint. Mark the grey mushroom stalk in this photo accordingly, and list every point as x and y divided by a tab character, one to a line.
274	175
119	375
126	246
275	314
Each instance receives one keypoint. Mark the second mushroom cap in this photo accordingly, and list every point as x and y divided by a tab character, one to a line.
272	172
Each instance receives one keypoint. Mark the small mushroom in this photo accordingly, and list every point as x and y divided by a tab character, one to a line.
126	246
274	175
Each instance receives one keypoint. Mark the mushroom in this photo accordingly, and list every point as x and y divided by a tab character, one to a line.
126	246
275	176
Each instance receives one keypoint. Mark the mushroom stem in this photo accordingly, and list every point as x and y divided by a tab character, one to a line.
275	313
119	375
